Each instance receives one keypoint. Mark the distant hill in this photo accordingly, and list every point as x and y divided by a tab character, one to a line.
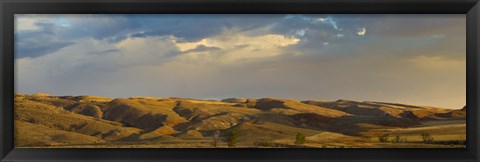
394	110
42	120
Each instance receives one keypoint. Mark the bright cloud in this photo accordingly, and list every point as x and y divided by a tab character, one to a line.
233	46
233	41
362	31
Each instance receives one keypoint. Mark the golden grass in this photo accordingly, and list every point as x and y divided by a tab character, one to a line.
150	122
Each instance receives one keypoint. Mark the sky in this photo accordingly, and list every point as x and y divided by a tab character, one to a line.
410	59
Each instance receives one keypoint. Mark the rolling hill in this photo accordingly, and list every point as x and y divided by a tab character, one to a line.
42	120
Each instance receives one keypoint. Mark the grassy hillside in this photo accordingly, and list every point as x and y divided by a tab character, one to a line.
42	120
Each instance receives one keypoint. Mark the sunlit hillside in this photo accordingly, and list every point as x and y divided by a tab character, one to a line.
42	120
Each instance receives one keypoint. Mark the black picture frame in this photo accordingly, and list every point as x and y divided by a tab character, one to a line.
10	7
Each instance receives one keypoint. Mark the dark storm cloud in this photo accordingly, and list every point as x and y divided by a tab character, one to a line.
26	49
52	36
38	43
101	27
195	27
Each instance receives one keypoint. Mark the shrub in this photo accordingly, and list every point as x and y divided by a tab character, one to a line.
427	138
264	143
397	139
383	137
216	138
300	139
32	120
232	138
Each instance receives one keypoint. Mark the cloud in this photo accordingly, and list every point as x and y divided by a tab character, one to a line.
301	32
313	19
333	23
220	56
23	23
116	28
27	49
232	46
38	42
191	28
202	48
362	31
145	51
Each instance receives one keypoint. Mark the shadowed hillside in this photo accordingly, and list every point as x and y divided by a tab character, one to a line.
148	122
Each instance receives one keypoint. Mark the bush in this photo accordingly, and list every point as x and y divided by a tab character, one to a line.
232	138
216	138
427	138
264	143
32	120
300	139
383	137
397	139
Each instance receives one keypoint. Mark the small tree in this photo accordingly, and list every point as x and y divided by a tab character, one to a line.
300	139
383	137
427	138
216	138
397	139
232	138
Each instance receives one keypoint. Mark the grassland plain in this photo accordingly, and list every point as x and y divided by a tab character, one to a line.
45	121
